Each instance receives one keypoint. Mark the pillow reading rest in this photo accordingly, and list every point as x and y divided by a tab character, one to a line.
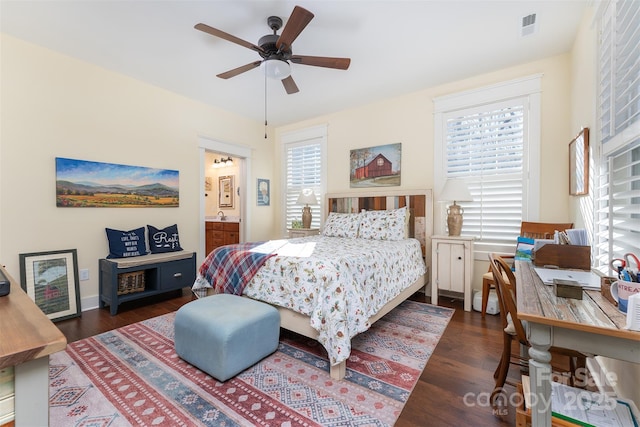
164	240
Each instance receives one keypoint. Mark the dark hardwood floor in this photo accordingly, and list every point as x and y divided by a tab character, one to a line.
452	391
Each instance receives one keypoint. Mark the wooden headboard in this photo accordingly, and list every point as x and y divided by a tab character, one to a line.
419	202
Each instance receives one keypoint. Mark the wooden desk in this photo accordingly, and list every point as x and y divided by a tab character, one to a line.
27	338
592	325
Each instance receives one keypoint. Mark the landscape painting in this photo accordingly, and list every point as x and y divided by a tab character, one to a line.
375	166
81	183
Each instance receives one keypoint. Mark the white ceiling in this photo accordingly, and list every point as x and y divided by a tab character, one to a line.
395	47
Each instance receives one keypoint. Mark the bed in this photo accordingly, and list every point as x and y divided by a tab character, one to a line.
369	258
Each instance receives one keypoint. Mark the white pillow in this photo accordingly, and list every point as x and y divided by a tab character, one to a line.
342	225
384	225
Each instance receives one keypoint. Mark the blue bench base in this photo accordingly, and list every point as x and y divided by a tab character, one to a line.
224	334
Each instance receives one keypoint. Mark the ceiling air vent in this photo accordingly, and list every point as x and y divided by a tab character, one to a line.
528	25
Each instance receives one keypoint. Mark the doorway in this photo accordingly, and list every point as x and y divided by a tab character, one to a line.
221	186
211	150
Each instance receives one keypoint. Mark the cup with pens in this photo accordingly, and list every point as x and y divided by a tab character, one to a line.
628	282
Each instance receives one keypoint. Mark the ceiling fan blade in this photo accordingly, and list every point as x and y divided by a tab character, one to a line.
289	85
226	36
239	70
297	21
322	61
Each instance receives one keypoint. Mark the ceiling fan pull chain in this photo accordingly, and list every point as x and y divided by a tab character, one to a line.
265	106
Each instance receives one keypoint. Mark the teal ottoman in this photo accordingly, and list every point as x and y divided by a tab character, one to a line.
225	334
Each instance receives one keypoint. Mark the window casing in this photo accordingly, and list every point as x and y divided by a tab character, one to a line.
304	154
490	138
617	217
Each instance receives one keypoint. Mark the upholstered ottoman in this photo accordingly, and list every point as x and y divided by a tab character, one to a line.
225	334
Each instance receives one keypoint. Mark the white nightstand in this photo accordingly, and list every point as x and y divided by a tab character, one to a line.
452	267
302	232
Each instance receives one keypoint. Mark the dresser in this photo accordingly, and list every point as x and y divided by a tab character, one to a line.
220	233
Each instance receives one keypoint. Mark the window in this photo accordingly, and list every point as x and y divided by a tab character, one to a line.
618	190
490	138
304	159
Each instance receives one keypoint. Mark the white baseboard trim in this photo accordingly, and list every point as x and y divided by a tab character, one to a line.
89	303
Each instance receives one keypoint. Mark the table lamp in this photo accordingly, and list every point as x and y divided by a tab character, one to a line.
455	190
307	197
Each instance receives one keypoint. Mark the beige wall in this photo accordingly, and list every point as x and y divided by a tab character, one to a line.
56	106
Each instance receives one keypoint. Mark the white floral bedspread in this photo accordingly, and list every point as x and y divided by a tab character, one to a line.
340	286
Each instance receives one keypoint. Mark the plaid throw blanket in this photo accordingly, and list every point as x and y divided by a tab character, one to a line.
229	268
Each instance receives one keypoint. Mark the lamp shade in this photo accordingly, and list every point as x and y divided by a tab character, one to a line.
276	68
307	197
455	190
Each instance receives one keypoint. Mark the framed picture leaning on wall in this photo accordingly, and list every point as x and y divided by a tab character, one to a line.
51	280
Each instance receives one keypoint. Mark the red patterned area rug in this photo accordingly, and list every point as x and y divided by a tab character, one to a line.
132	376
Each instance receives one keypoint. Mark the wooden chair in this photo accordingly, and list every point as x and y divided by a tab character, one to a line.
514	330
532	230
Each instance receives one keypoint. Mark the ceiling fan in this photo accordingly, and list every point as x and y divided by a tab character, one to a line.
276	51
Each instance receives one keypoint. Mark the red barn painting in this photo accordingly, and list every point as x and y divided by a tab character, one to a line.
376	166
379	166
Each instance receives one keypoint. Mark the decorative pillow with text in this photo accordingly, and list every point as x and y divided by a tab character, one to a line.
126	244
164	240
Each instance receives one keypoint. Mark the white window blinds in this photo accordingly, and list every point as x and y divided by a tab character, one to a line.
617	219
304	153
618	214
490	137
619	68
485	147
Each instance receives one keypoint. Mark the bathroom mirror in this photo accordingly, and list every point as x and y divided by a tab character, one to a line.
225	191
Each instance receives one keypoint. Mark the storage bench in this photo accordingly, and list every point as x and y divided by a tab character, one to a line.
127	279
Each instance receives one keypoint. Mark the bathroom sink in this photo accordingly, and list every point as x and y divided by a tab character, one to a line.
222	219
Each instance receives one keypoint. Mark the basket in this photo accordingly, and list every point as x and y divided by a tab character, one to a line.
131	282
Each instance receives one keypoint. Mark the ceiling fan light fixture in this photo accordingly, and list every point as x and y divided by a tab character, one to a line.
277	69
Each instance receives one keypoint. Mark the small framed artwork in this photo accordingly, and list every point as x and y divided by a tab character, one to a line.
579	164
51	280
263	192
225	191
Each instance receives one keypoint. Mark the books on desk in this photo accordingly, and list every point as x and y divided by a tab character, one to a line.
587	279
